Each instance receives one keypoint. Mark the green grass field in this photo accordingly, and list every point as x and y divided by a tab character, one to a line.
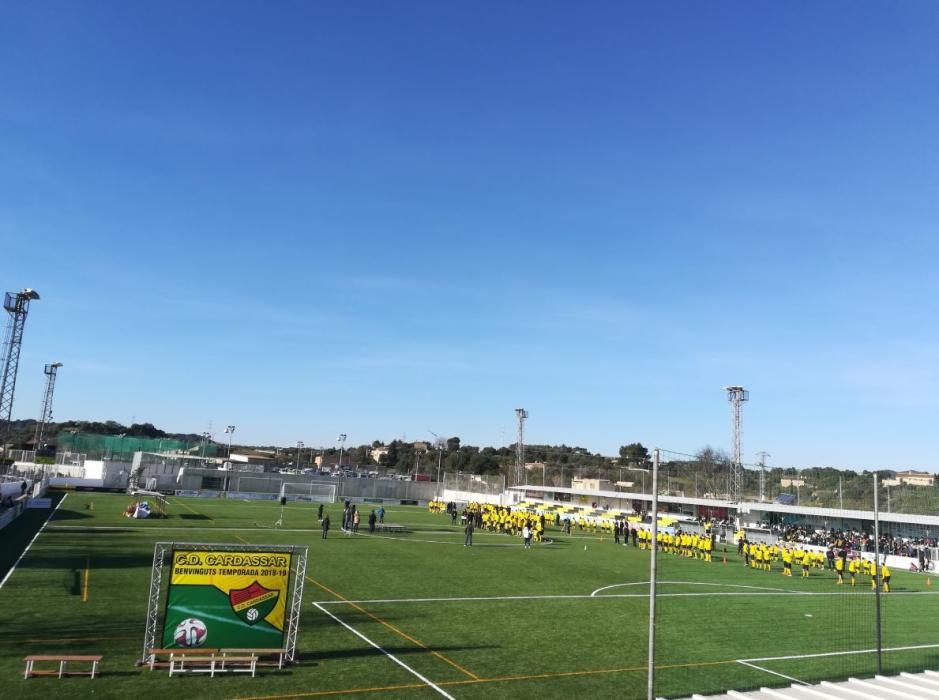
491	620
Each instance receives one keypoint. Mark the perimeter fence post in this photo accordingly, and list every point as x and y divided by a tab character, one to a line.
877	577
652	572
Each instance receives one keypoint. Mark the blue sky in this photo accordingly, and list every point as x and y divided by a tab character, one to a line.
388	218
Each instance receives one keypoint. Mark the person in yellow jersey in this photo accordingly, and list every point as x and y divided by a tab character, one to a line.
871	568
787	562
853	567
708	547
798	556
806	563
885	577
839	570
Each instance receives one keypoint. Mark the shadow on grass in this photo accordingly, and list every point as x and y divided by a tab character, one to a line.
193	516
126	560
66	514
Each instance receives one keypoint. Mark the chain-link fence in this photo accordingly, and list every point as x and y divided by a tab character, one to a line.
817	580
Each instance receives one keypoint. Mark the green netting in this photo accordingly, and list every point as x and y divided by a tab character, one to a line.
117	447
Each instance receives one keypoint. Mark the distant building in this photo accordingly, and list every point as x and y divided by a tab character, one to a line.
788	481
331	461
377	453
421	446
911	478
579	484
530	466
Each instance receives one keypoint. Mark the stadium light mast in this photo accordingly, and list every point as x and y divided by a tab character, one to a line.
300	447
45	415
341	439
439	442
521	415
230	432
736	395
17	305
763	456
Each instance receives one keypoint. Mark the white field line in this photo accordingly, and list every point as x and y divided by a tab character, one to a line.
155	528
766	670
398	661
797	657
584	596
158	528
800	657
38	532
699	583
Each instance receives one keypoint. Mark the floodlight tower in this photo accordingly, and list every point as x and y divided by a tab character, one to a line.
521	414
230	432
341	439
46	415
17	305
763	456
736	395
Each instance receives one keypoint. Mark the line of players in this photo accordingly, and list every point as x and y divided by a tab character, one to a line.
498	519
684	544
762	556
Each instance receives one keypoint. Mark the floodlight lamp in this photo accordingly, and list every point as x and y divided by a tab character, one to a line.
29	294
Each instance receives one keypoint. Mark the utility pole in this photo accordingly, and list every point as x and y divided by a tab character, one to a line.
45	416
17	305
736	395
763	456
521	414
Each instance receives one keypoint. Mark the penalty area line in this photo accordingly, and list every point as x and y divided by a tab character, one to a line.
38	532
391	656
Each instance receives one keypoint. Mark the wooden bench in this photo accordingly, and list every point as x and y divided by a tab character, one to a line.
63	661
155	655
279	656
219	662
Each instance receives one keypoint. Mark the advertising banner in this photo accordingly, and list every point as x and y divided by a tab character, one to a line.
227	599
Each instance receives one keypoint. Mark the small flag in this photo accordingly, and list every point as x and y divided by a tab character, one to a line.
725	561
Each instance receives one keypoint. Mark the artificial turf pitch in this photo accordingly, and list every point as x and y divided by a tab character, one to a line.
494	620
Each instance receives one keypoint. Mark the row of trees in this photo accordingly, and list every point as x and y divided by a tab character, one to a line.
706	473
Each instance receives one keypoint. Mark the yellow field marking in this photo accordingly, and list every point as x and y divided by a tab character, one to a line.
501	679
239	537
85	580
597	672
394	629
191	509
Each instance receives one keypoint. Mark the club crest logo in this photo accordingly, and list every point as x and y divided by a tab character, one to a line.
253	603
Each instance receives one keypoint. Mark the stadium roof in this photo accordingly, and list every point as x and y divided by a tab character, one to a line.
745	507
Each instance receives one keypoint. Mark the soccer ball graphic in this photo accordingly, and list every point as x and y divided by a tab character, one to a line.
190	633
252	614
